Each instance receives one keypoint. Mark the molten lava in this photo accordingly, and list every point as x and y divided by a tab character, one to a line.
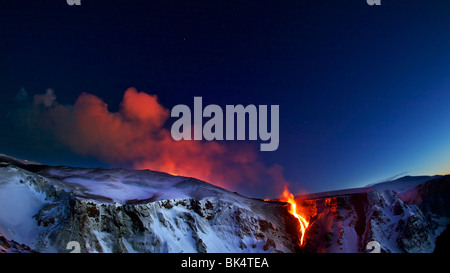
293	209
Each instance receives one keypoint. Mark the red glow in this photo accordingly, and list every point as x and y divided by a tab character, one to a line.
135	137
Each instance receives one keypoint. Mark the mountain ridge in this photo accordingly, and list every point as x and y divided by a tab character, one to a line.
43	208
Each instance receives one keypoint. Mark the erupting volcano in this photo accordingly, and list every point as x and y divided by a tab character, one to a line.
120	210
293	209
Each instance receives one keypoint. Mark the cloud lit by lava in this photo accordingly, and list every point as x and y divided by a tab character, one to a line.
135	137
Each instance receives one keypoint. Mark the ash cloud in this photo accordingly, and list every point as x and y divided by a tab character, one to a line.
135	137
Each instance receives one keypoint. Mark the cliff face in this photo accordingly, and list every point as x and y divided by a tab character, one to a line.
177	225
206	219
45	208
408	221
11	246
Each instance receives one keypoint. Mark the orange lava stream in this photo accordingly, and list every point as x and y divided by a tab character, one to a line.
293	209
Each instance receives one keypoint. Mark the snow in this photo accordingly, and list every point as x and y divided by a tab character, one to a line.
402	184
102	239
124	186
9	159
18	204
145	211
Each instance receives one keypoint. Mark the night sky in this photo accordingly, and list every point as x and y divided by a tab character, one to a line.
364	91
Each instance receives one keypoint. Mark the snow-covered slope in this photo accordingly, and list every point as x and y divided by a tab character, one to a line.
134	211
403	184
43	208
405	221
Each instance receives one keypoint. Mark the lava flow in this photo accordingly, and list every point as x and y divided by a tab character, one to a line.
293	209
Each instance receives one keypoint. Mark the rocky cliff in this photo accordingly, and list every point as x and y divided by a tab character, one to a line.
49	209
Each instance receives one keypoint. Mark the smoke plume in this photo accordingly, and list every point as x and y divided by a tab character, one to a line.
135	137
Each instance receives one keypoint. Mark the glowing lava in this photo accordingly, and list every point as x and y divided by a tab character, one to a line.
293	209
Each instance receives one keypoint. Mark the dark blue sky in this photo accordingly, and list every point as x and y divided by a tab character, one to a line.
364	91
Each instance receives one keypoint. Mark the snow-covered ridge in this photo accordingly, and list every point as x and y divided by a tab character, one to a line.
6	159
405	218
404	183
121	185
42	208
134	211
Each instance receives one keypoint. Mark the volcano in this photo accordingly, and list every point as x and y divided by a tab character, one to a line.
48	208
